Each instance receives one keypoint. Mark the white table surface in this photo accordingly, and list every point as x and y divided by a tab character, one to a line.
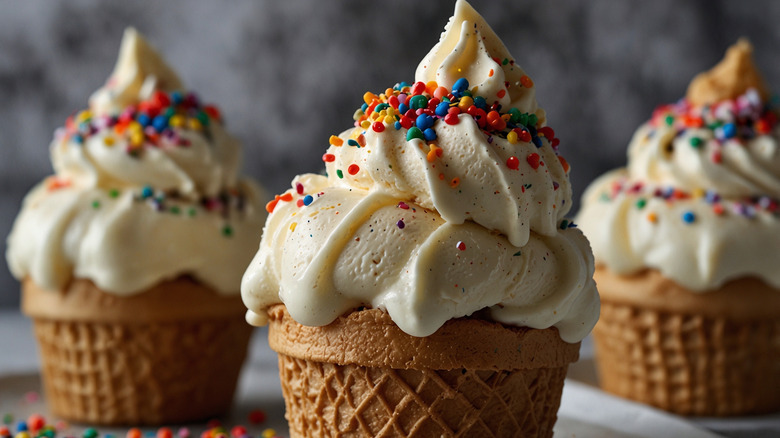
585	410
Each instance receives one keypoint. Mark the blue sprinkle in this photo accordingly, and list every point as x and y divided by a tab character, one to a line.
688	217
308	199
78	139
177	98
537	141
403	108
353	142
364	107
424	121
460	85
729	130
480	103
147	192
397	125
143	119
442	109
160	123
429	134
21	426
711	197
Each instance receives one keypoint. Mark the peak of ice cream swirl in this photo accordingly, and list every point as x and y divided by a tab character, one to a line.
146	189
699	197
445	199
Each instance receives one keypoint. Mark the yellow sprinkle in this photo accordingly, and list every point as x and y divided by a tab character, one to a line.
369	97
365	124
83	115
109	141
195	124
293	225
389	120
136	139
269	433
388	92
465	103
335	141
135	127
22	435
698	193
177	121
433	153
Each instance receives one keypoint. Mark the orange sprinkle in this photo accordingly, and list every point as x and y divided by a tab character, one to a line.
272	205
652	217
490	73
526	81
434	153
455	182
501	94
564	163
287	197
430	87
441	176
369	97
335	140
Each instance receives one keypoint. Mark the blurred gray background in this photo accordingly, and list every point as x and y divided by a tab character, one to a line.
287	74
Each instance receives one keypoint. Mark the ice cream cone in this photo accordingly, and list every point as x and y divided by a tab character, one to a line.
362	376
713	354
171	354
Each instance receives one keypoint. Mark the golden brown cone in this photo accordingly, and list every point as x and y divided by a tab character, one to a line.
363	376
371	338
732	77
140	360
715	353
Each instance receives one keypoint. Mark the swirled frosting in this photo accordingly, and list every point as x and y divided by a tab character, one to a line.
146	189
698	200
439	203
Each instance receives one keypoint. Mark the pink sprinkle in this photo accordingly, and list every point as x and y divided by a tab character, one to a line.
31	397
403	205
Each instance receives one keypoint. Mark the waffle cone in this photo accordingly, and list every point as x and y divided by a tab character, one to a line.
362	376
707	354
171	354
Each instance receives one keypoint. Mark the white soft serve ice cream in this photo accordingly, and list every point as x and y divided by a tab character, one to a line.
446	198
699	198
146	189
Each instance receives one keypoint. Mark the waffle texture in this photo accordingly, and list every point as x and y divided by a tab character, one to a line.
687	357
141	369
346	391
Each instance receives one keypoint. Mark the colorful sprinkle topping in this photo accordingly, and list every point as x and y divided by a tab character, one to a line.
155	122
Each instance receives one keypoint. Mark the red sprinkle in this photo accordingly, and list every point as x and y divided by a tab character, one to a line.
461	246
451	119
534	160
378	126
134	433
299	188
418	88
353	169
238	431
164	432
328	158
256	417
512	163
523	135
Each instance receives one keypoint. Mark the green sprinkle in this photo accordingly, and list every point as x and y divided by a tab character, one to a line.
640	204
114	193
90	433
227	231
417	102
203	118
518	253
339	173
564	224
175	210
505	61
696	142
532	120
95	204
8	419
192	212
669	120
604	197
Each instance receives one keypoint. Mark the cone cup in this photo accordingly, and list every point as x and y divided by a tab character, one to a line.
362	376
171	354
715	353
